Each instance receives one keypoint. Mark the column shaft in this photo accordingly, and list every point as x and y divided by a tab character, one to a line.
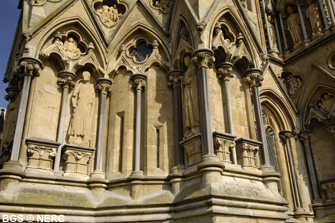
302	23
283	31
178	130
101	130
331	9
138	130
278	36
20	118
323	13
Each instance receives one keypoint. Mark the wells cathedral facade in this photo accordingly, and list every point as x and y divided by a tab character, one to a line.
171	111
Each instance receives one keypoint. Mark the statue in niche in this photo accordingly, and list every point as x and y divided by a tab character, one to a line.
83	98
164	4
190	100
10	119
294	85
273	36
71	48
293	26
109	15
313	14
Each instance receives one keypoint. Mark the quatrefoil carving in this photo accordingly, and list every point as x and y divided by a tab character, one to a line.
109	11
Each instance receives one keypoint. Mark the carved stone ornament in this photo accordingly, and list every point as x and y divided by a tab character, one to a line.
174	78
42	2
219	38
305	136
322	109
83	100
223	144
254	77
109	11
192	147
163	5
247	153
292	84
103	86
66	79
285	135
139	81
41	154
328	191
77	160
203	58
225	71
29	66
139	54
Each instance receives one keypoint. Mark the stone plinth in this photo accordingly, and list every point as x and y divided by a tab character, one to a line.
40	155
77	160
223	144
247	153
192	147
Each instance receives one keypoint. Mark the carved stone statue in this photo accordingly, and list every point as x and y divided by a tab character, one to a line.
164	4
10	121
313	14
293	26
190	99
294	83
83	105
326	103
273	34
71	48
109	15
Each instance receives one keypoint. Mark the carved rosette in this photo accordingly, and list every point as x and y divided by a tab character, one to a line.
66	79
139	81
254	77
203	58
285	135
29	66
174	78
104	86
225	71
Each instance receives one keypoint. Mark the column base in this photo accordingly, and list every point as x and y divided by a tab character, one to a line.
317	201
267	168
12	166
138	173
299	209
98	174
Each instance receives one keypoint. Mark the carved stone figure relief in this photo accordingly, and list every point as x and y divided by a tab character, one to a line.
325	103
71	48
293	26
313	13
190	99
292	84
83	98
164	5
109	12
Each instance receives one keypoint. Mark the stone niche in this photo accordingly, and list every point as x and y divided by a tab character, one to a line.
247	153
223	144
40	155
77	160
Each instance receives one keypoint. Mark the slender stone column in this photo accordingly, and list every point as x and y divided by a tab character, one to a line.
331	10
323	13
139	83
204	60
254	77
302	24
103	87
29	67
174	81
65	81
285	136
278	36
305	138
225	70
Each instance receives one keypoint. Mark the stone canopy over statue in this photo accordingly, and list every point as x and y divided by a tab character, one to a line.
83	98
190	99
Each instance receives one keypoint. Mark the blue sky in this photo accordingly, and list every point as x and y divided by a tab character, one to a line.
9	15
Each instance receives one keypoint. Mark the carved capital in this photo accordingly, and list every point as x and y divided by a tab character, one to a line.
305	136
12	93
139	81
254	77
225	71
104	86
66	79
29	66
285	135
203	58
174	78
